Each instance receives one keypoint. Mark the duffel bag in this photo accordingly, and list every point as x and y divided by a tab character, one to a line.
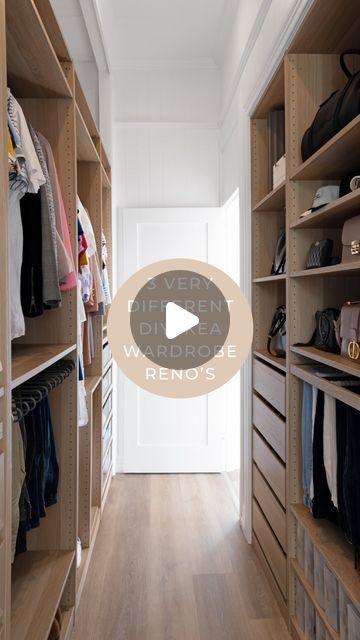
335	113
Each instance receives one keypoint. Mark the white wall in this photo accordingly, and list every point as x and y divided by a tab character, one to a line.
261	34
166	150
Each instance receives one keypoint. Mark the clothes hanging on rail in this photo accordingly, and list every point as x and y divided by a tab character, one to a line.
331	454
35	466
41	261
25	175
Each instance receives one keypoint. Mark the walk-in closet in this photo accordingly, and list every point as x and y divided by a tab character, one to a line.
55	366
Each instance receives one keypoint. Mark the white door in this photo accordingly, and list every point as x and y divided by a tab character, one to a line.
166	435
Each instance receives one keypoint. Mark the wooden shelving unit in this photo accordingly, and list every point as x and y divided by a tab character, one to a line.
29	360
38	580
309	73
41	75
273	201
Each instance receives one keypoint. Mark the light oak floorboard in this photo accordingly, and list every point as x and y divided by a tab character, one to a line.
170	563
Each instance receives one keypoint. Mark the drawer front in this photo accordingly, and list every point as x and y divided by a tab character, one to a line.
106	354
107	408
107	464
2	584
270	466
270	384
2	494
107	435
271	426
270	506
107	381
272	550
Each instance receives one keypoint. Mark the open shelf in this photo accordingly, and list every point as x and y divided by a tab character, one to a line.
332	215
295	629
333	635
86	151
341	363
346	268
34	70
30	359
306	373
91	382
264	279
263	354
38	580
337	553
335	159
105	179
274	201
67	623
85	110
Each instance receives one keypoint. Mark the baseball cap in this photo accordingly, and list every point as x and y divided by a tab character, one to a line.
324	195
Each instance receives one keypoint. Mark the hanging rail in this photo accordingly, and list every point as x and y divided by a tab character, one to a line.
28	395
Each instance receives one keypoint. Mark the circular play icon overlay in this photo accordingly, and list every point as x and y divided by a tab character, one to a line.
180	319
180	328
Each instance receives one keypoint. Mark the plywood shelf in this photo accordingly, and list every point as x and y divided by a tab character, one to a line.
273	201
91	382
38	580
105	179
34	70
296	632
85	148
85	110
29	360
305	373
333	635
273	96
263	280
67	623
335	159
263	354
338	554
352	367
346	268
332	215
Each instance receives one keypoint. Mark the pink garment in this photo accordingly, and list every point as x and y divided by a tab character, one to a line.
70	281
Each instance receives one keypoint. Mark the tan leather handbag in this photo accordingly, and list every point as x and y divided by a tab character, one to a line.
348	330
351	240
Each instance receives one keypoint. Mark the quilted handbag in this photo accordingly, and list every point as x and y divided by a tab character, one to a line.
335	113
325	334
319	254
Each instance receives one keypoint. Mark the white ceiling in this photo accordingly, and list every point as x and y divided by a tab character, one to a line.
165	31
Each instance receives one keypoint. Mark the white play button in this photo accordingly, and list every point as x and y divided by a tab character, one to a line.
178	320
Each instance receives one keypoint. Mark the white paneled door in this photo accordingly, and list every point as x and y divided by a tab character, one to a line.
166	435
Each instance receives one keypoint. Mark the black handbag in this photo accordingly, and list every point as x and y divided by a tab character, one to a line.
324	336
278	265
276	345
335	113
319	254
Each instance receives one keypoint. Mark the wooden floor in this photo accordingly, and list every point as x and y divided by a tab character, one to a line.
170	563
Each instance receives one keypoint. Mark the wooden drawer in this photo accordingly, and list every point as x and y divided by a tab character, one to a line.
272	427
270	466
2	584
270	506
271	548
270	384
2	493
